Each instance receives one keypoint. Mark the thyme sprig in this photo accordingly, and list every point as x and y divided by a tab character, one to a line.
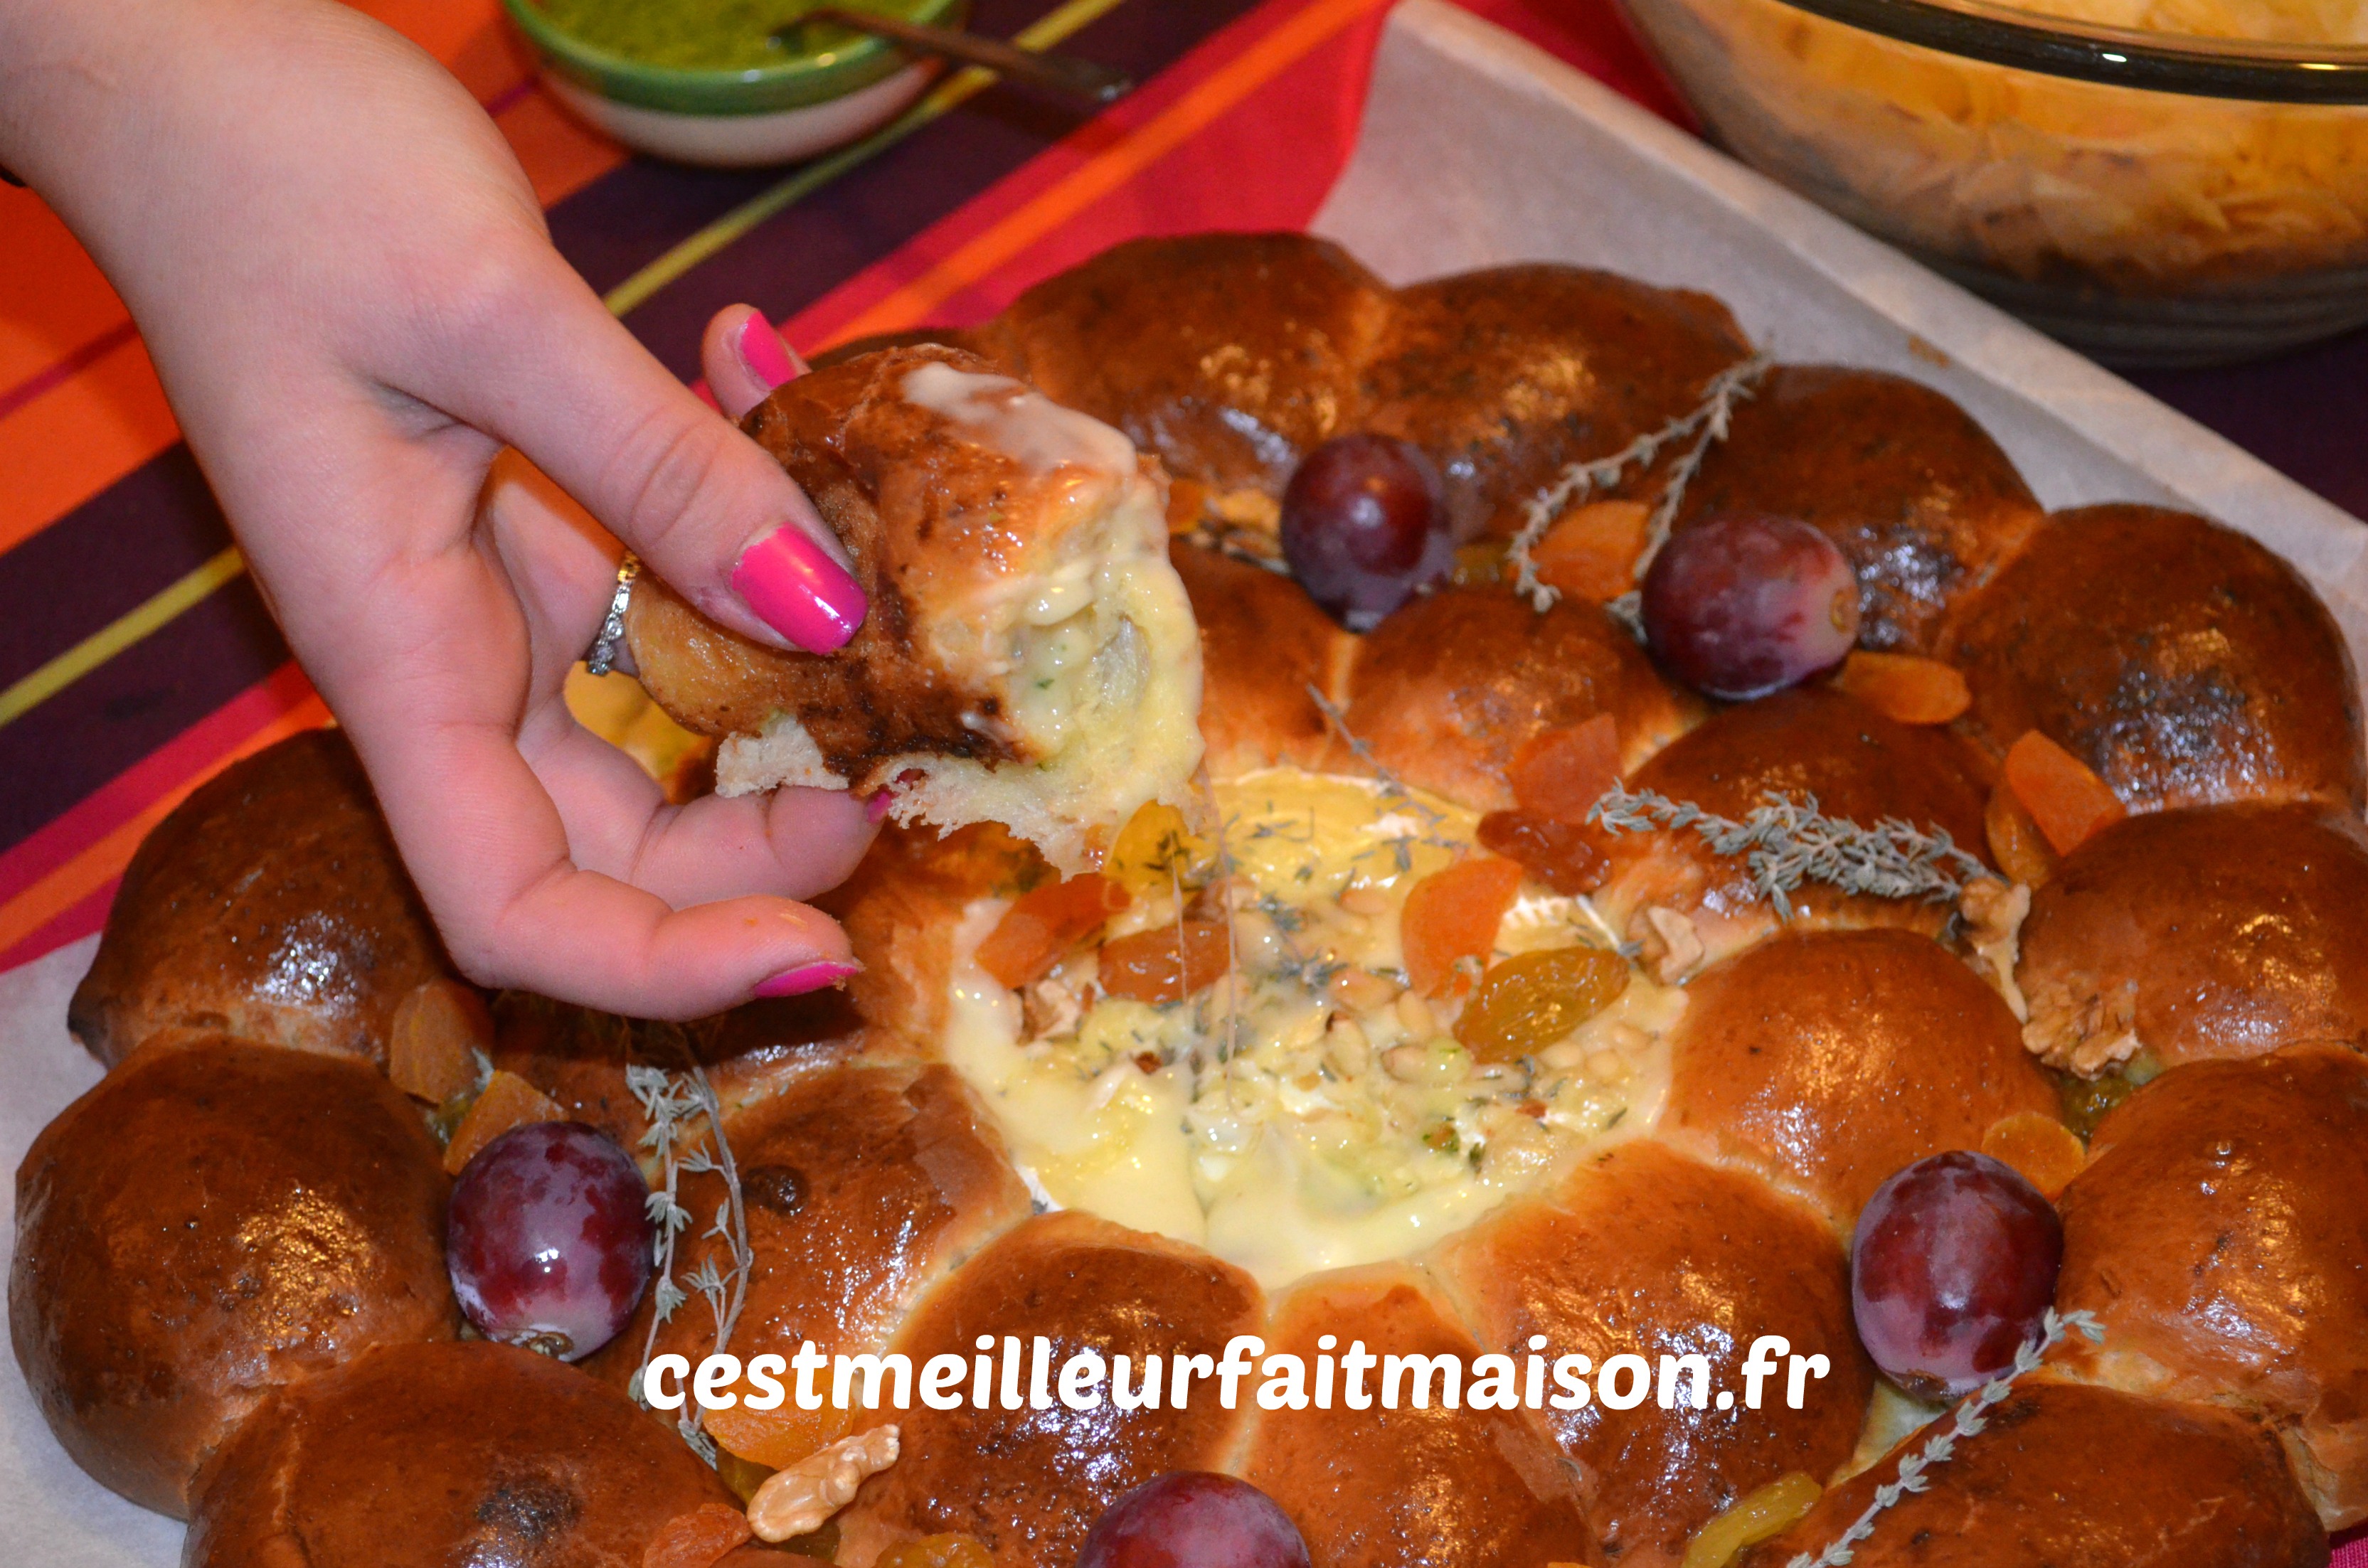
670	1100
1785	843
1393	787
1704	425
1971	1417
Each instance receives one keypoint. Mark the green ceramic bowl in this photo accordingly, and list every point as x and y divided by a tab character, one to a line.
737	115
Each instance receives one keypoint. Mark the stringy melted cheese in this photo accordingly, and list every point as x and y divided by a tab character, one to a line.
1250	1120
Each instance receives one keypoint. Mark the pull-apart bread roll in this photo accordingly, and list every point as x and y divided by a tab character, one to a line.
215	1218
448	1455
1028	656
1440	1482
2210	932
1919	499
2064	1476
2183	662
270	904
1831	1059
2220	1234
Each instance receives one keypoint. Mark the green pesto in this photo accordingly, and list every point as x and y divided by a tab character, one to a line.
733	35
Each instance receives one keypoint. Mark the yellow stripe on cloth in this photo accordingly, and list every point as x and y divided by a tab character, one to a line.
118	634
968	83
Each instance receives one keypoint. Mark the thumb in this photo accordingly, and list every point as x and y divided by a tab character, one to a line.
704	505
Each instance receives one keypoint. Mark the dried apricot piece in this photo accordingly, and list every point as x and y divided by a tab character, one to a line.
1904	689
1561	773
2016	844
2046	1153
1565	855
432	1045
1167	963
2063	796
696	1539
1035	931
1453	914
508	1101
1527	1003
1590	552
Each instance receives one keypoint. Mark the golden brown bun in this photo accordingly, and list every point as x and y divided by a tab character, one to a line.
2183	662
1013	555
1830	1059
2220	1232
435	1456
213	1219
1263	643
1644	1251
270	904
1507	374
2219	931
1227	355
2066	1476
1918	496
1809	741
1374	1488
1031	1482
861	1186
1446	690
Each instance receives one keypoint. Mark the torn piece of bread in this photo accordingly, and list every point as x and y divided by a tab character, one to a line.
1028	656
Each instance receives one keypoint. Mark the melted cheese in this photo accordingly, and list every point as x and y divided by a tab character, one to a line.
1297	1115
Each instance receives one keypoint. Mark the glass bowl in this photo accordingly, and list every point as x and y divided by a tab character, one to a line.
2151	198
738	117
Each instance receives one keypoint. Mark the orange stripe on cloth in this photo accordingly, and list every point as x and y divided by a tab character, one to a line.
1100	161
45	879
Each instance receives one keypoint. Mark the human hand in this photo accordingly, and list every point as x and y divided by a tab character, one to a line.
347	288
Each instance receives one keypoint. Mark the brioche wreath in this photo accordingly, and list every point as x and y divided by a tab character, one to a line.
1823	941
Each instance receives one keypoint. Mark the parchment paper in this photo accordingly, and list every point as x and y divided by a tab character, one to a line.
1476	149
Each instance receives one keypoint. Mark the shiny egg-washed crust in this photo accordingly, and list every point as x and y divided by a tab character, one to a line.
1810	740
2212	932
2248	1183
1227	355
1916	494
1031	1482
213	1219
1448	689
1371	1488
432	1455
1831	1059
2065	1476
270	904
862	1185
1591	1266
1263	645
2182	661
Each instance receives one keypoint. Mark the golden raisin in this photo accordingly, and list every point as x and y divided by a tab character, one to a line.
1565	855
1526	1004
938	1551
1166	963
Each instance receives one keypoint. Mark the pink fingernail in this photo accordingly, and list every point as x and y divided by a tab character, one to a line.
876	808
768	357
798	590
807	977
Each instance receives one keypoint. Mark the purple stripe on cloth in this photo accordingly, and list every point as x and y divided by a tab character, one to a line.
65	370
63	749
2305	413
123	546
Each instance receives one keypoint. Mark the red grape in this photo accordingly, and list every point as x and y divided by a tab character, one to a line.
548	1238
1362	527
1745	604
1191	1519
1952	1269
